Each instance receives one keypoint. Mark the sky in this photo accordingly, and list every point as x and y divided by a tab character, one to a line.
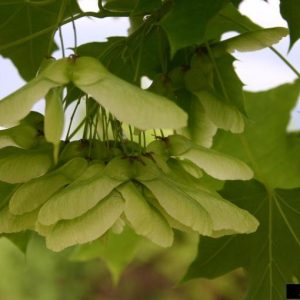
259	70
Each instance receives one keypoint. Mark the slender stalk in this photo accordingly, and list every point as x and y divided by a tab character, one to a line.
130	133
53	27
62	45
285	61
162	133
144	140
74	33
72	118
58	25
77	128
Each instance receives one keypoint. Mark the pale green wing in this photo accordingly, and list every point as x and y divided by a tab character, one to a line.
23	136
255	40
222	115
92	170
10	223
144	219
218	165
54	118
19	165
17	105
88	227
76	199
227	218
180	206
36	192
6	140
125	101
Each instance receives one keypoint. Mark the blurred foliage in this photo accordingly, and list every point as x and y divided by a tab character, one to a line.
45	275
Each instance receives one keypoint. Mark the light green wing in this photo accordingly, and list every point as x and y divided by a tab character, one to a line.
255	40
88	227
144	219
221	114
19	165
54	119
36	192
180	206
76	199
218	165
17	105
10	223
125	101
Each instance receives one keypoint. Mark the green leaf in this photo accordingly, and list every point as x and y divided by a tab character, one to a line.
19	165
20	239
108	248
146	7
144	219
231	83
228	19
264	145
185	24
27	29
88	227
254	40
222	115
264	253
76	199
126	102
32	194
120	5
274	156
290	11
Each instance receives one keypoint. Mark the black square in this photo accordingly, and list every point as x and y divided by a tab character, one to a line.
293	291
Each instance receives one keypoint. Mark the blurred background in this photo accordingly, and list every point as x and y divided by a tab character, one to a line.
154	273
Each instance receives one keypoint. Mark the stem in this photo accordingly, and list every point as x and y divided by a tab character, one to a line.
57	25
162	133
61	42
144	139
72	118
75	33
77	128
53	27
285	61
96	124
130	133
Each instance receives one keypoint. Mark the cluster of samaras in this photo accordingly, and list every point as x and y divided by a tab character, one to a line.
94	185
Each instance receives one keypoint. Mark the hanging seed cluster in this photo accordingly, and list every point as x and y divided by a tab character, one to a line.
74	191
